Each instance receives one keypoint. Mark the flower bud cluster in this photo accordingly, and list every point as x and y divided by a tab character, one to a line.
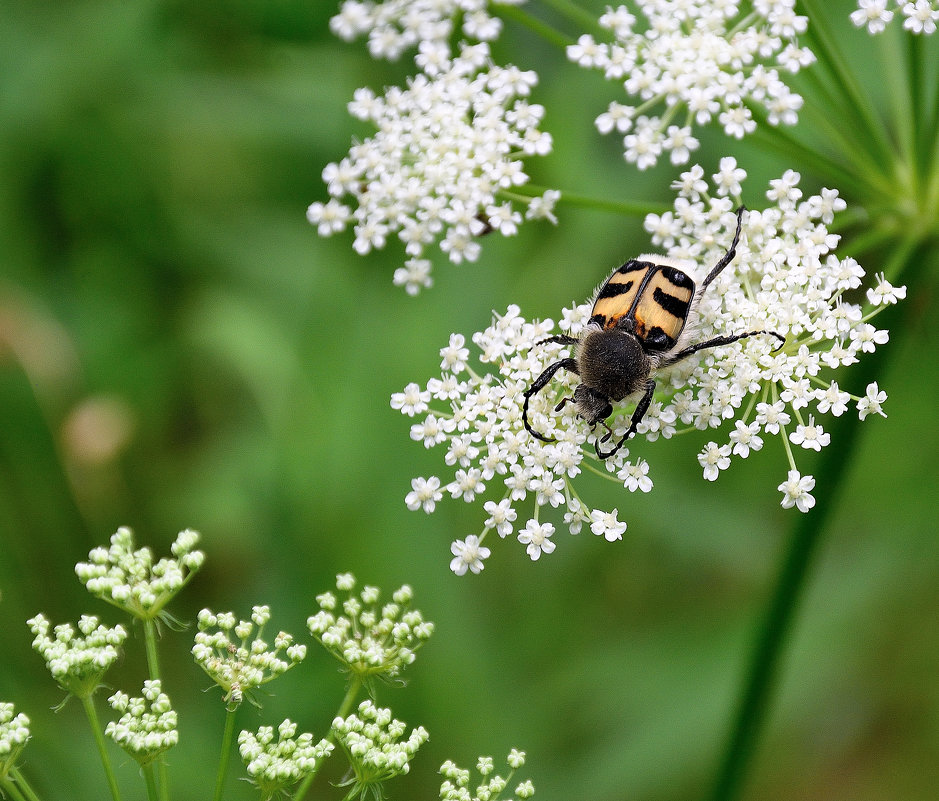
369	638
77	656
236	658
455	786
274	765
147	726
14	734
372	739
129	579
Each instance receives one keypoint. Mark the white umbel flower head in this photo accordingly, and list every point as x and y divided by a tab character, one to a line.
394	26
128	578
444	165
697	61
77	656
276	764
235	655
370	639
147	726
785	278
376	746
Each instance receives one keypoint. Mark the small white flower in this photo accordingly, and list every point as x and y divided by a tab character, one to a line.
606	525
424	494
872	402
810	436
885	292
713	459
501	516
412	401
796	491
414	276
329	218
537	536
468	554
745	438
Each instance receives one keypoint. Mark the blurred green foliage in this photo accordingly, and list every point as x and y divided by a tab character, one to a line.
179	349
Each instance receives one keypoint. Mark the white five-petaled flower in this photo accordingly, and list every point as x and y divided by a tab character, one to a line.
796	491
785	278
468	554
699	62
446	150
536	537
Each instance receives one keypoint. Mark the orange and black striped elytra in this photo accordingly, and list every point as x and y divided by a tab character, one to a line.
656	297
639	315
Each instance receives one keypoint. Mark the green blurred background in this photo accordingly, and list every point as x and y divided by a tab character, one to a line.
179	349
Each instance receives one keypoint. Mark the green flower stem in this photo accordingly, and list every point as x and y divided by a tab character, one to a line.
8	789
22	786
153	665
626	207
777	619
151	782
153	662
534	24
227	743
92	715
355	687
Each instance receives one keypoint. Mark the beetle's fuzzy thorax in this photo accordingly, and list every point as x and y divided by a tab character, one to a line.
612	363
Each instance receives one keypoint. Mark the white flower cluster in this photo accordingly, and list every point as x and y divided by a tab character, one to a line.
77	659
372	739
700	60
14	734
129	579
241	664
922	16
784	278
370	640
442	165
275	765
455	786
147	726
393	26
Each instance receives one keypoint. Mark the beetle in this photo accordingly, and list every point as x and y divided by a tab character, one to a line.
635	329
